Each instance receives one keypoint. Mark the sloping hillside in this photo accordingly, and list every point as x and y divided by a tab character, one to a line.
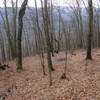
30	84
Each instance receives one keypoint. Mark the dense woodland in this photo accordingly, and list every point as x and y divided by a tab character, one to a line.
47	31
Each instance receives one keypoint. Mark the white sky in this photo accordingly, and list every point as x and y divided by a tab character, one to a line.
55	2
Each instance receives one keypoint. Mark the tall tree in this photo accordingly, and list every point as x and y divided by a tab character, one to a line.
39	39
19	37
47	36
89	42
14	31
8	32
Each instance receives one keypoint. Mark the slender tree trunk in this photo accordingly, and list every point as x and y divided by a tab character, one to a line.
46	29
14	12
89	44
7	27
19	38
40	39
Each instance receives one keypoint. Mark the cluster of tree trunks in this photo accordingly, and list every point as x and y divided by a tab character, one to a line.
45	37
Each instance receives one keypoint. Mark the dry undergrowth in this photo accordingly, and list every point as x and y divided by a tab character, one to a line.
30	84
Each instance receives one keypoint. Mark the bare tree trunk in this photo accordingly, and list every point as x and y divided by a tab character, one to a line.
42	63
46	29
14	11
51	25
2	47
40	40
7	27
63	76
89	44
19	38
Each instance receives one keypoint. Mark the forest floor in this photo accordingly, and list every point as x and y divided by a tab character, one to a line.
31	84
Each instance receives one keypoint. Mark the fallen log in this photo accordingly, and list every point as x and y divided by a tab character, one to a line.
4	67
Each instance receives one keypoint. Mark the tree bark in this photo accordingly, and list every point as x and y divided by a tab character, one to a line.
89	44
46	29
19	38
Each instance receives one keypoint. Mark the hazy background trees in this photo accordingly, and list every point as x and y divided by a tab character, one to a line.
74	18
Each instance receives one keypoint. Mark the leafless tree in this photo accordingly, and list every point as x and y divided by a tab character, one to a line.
19	37
90	34
47	36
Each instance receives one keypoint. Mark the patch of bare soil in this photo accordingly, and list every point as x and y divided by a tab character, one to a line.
30	84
